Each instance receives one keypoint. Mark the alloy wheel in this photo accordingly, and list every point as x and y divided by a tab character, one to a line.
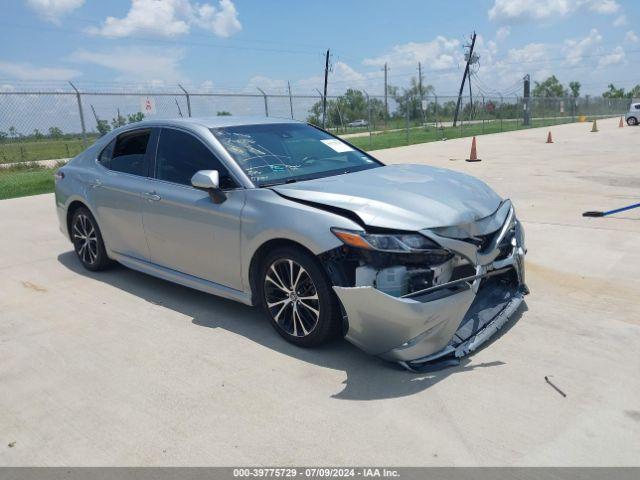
85	239
291	297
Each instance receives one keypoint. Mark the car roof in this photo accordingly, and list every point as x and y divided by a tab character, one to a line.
216	122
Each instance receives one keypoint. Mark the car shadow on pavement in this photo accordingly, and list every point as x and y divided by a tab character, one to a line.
367	377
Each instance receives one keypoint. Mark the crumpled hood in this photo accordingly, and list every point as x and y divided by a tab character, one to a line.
401	197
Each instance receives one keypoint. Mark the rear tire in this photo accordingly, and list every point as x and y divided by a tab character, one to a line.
632	121
297	296
87	241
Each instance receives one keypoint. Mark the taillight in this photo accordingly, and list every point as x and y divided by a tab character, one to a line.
59	175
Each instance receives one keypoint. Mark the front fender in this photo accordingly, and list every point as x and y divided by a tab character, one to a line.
268	216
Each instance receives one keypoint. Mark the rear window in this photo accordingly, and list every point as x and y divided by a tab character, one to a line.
127	153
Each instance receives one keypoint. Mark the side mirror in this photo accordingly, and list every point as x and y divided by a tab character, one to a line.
209	180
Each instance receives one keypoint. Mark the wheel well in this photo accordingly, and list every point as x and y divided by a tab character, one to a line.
258	256
70	211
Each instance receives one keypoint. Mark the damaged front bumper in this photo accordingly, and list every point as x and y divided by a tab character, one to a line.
445	321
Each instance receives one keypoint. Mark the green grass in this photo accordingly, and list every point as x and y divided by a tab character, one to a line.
431	134
30	150
25	180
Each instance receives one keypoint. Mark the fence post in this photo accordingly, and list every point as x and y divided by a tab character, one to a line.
82	125
368	115
266	103
322	101
186	94
435	110
406	122
290	99
483	111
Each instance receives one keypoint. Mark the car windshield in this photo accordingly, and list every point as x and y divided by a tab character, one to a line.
276	153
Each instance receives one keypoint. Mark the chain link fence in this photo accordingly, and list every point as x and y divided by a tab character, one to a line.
59	123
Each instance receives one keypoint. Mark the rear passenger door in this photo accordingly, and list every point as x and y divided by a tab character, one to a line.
121	181
185	230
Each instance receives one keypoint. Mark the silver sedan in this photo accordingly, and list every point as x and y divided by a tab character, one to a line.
412	263
633	115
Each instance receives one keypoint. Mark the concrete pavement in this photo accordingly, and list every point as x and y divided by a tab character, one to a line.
119	368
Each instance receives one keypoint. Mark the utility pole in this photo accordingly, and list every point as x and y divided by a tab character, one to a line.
464	78
525	105
386	103
324	97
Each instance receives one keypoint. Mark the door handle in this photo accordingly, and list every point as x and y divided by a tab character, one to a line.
152	196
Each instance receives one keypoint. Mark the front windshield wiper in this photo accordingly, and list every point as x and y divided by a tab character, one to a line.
294	180
272	184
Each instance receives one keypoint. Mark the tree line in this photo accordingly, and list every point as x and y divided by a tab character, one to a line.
551	87
352	105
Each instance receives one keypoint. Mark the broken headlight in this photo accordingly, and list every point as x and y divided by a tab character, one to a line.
387	242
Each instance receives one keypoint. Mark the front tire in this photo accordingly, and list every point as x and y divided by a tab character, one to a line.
87	241
296	295
632	121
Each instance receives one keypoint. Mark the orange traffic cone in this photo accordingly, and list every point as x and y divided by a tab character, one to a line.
473	156
549	139
621	124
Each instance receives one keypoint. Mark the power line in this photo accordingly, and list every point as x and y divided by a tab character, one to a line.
155	40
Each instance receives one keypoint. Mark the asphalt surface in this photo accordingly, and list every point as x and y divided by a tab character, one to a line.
119	368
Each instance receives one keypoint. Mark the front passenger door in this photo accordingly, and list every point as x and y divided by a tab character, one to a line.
185	230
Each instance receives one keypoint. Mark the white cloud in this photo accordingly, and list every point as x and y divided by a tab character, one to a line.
268	84
631	37
222	21
616	56
171	18
136	63
529	10
438	54
604	7
25	71
523	10
206	86
343	76
575	49
531	52
503	33
620	21
52	10
507	72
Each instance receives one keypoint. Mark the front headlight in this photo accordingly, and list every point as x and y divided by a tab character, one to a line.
387	242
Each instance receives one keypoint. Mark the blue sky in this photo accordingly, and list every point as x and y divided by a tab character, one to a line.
237	45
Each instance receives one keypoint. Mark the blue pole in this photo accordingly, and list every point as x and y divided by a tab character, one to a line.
610	212
623	209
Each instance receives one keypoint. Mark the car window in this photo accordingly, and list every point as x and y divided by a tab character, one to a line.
180	155
637	106
107	153
129	152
